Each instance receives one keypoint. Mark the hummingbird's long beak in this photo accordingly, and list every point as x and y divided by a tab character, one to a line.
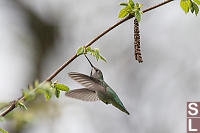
89	61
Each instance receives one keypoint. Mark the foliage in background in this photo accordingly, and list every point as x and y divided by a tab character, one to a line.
46	88
22	117
3	131
191	5
37	108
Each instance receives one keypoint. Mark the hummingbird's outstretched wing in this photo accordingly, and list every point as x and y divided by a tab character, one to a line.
87	81
83	94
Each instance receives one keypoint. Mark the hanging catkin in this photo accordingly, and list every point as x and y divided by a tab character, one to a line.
138	55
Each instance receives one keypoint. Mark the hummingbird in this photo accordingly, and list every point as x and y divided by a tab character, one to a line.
95	88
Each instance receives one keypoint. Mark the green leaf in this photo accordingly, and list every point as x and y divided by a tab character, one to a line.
29	94
97	50
197	1
138	15
93	52
123	4
102	58
57	93
61	87
185	5
36	83
21	105
3	131
191	7
196	8
46	89
140	5
97	54
30	87
128	9
88	49
123	13
45	85
131	3
137	5
80	51
47	94
97	57
25	94
39	90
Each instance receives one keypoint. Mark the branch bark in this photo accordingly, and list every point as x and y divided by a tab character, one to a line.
12	105
10	108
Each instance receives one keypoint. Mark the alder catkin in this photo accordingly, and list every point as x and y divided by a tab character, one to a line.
138	55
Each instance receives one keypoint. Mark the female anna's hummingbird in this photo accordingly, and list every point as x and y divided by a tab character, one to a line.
96	89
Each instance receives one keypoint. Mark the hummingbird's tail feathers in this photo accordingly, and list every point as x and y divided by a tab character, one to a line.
83	94
126	112
89	82
121	107
118	104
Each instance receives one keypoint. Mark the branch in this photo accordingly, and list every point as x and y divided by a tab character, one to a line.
10	108
12	105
